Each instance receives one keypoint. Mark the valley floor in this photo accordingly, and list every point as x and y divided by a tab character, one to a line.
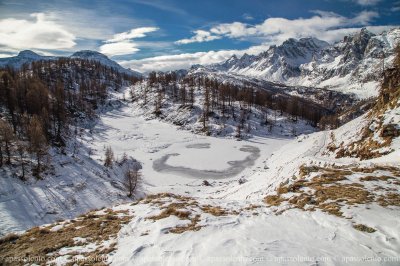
228	221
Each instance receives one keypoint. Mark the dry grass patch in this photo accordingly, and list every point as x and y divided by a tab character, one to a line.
390	199
185	208
171	210
40	242
342	193
9	238
214	210
332	208
327	191
273	200
190	227
252	207
376	178
154	198
364	228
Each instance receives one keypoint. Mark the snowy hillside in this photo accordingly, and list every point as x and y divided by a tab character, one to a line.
219	124
75	184
285	201
353	65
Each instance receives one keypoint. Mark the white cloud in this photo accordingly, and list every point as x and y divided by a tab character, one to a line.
200	36
39	33
367	2
184	61
247	16
233	30
119	48
276	30
6	55
122	43
132	34
179	61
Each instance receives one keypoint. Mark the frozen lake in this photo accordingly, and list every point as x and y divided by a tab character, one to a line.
202	161
170	155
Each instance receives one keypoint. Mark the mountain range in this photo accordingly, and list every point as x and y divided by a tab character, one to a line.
352	65
27	57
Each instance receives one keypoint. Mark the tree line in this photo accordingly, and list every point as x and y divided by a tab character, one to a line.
220	96
41	102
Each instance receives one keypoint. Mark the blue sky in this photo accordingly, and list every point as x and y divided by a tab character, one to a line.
172	34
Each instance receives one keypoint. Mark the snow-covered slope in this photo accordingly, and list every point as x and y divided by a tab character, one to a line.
27	56
73	183
296	203
353	65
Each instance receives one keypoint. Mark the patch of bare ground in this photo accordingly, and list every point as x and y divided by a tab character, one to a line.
190	227
170	210
185	208
377	133
162	198
251	207
364	228
331	189
42	244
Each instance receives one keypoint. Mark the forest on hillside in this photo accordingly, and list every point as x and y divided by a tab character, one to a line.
42	103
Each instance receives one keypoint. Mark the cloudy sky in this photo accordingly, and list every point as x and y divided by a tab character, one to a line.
171	34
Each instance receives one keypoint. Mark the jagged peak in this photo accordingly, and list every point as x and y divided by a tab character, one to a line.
305	41
232	58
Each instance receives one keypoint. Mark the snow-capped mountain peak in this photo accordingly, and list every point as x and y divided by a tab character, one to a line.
352	65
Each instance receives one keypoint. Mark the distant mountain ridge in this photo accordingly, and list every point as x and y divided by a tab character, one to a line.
352	65
28	56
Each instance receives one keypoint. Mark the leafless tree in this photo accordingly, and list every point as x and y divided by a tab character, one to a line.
109	157
6	139
38	142
21	149
132	176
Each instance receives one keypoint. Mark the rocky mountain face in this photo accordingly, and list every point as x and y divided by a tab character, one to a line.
279	62
352	65
27	57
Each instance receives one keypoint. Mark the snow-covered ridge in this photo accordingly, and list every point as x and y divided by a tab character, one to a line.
27	57
352	65
104	60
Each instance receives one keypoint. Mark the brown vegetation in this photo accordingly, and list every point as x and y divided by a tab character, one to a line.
364	228
43	243
328	189
185	208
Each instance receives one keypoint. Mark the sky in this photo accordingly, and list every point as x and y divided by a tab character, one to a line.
148	35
